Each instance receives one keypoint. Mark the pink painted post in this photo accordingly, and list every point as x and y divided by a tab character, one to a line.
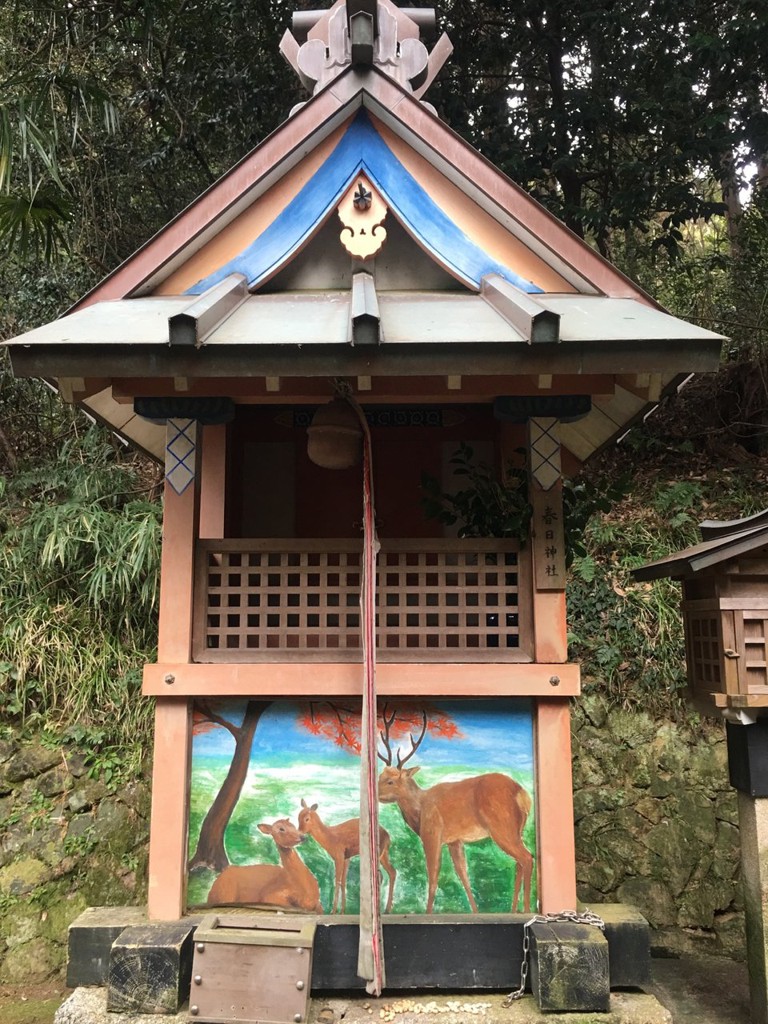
557	849
170	799
170	773
554	779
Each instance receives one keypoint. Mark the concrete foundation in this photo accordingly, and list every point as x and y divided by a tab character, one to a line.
88	1006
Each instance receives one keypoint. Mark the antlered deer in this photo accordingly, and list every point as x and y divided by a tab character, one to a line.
453	813
342	842
288	884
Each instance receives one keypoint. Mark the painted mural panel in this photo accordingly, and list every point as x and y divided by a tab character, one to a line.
275	801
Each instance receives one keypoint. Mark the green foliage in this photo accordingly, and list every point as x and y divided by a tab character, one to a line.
34	223
615	118
79	561
583	498
81	845
125	112
485	507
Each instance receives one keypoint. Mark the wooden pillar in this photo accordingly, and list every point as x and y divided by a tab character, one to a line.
554	779
172	748
170	802
213	470
554	799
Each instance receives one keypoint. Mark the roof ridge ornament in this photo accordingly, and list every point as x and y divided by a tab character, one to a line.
365	34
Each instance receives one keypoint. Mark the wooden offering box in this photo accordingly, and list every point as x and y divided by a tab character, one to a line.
725	612
252	969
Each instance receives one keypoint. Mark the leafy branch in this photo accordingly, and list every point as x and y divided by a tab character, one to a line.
488	507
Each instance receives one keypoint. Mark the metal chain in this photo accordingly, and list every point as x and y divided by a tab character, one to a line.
570	916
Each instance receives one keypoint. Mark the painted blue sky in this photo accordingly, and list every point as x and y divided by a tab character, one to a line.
496	735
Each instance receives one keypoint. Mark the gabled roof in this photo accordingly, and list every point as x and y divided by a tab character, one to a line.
521	271
722	542
409	120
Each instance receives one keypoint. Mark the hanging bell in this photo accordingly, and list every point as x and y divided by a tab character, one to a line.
335	436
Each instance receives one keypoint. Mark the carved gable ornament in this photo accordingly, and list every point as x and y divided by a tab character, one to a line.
362	212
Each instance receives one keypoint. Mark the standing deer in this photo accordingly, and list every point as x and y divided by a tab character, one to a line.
288	884
342	843
453	813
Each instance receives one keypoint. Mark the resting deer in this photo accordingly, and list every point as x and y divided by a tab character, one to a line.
288	884
341	843
453	813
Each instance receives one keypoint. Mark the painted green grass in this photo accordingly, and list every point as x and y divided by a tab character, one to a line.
277	793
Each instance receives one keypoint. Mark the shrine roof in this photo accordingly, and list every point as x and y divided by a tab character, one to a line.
722	542
326	318
475	278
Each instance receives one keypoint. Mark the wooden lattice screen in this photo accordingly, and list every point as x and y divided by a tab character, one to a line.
704	649
299	600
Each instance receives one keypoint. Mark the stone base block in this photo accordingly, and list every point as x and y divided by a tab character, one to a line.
150	969
569	968
90	938
629	941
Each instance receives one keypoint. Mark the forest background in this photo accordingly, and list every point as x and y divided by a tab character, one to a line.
644	126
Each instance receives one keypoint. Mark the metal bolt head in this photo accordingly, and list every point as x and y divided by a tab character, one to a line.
201	947
194	1010
554	680
170	678
297	1018
300	950
299	985
198	979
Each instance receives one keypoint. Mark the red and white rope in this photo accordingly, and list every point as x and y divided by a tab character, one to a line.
370	961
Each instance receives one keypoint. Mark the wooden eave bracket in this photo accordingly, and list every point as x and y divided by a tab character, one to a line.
201	318
536	324
364	317
76	389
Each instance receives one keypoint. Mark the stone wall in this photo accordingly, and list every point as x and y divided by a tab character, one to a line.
656	826
67	841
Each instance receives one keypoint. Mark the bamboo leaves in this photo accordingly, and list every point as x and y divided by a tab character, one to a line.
79	560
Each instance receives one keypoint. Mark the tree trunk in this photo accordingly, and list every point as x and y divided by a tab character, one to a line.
210	852
730	185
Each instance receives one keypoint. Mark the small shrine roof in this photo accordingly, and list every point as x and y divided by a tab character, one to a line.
722	542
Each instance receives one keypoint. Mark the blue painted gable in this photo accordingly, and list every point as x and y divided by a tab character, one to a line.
361	148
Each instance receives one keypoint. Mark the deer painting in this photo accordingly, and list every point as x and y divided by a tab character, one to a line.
454	813
288	884
342	843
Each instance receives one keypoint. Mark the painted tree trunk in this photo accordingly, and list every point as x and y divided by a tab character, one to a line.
210	850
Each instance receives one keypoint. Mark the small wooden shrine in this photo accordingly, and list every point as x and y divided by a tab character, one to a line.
725	611
363	255
725	614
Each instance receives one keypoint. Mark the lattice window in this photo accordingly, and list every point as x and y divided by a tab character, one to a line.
446	601
704	647
284	600
756	651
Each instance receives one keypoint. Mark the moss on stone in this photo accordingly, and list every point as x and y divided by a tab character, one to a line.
22	876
